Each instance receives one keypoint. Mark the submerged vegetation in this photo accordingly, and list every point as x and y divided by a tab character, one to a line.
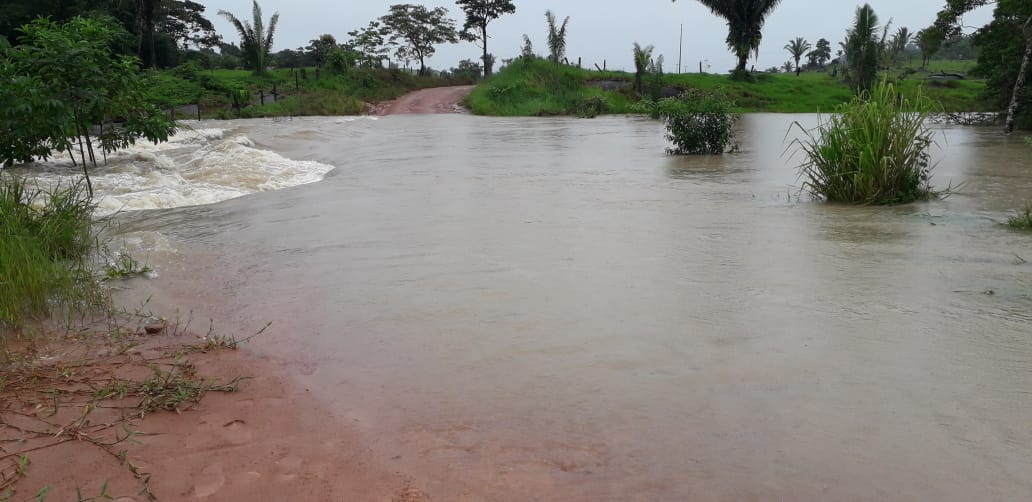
697	122
874	150
1022	220
45	243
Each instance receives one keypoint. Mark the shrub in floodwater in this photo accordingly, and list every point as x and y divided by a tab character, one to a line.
873	150
698	122
591	107
45	241
1022	220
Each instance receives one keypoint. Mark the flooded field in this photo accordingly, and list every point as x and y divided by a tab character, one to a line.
553	309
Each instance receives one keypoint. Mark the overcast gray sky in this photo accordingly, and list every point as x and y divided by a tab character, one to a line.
597	30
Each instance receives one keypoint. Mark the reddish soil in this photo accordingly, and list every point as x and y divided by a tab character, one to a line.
272	440
427	101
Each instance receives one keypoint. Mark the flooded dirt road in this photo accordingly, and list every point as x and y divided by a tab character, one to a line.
428	101
553	309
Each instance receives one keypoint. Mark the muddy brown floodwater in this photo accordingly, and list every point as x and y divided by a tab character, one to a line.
553	309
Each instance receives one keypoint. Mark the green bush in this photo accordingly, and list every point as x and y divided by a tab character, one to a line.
697	121
874	150
591	107
45	242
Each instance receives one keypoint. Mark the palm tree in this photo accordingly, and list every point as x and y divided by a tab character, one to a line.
797	48
556	37
642	58
745	20
256	38
863	49
899	44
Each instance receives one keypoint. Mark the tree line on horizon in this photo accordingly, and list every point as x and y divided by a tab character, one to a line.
165	33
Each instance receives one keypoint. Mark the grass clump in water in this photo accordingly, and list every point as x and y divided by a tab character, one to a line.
874	150
1022	220
45	242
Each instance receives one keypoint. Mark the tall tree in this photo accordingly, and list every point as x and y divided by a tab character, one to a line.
480	13
62	80
899	43
321	47
642	60
369	43
820	54
255	36
184	22
1006	43
745	20
797	47
174	23
417	30
929	41
556	37
863	49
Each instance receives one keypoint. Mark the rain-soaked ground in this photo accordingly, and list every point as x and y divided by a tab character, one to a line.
553	309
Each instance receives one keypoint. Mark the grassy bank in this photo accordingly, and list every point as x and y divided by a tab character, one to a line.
46	239
542	88
304	91
538	87
78	374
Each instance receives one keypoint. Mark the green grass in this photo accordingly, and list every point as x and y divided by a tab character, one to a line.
310	103
874	150
942	65
45	241
304	91
541	88
779	93
165	89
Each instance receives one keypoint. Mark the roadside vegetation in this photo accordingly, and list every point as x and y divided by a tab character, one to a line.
540	89
72	366
46	242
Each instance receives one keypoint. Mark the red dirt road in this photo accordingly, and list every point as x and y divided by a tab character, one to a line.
427	101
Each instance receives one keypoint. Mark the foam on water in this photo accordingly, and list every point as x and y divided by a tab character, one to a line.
196	166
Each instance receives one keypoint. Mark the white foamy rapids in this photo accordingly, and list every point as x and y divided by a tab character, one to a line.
345	120
194	167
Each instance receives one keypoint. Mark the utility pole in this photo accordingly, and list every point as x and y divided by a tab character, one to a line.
680	47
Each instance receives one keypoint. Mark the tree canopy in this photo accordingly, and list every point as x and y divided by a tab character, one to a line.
1005	56
255	36
60	81
820	54
863	49
797	47
479	14
417	30
745	19
153	29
